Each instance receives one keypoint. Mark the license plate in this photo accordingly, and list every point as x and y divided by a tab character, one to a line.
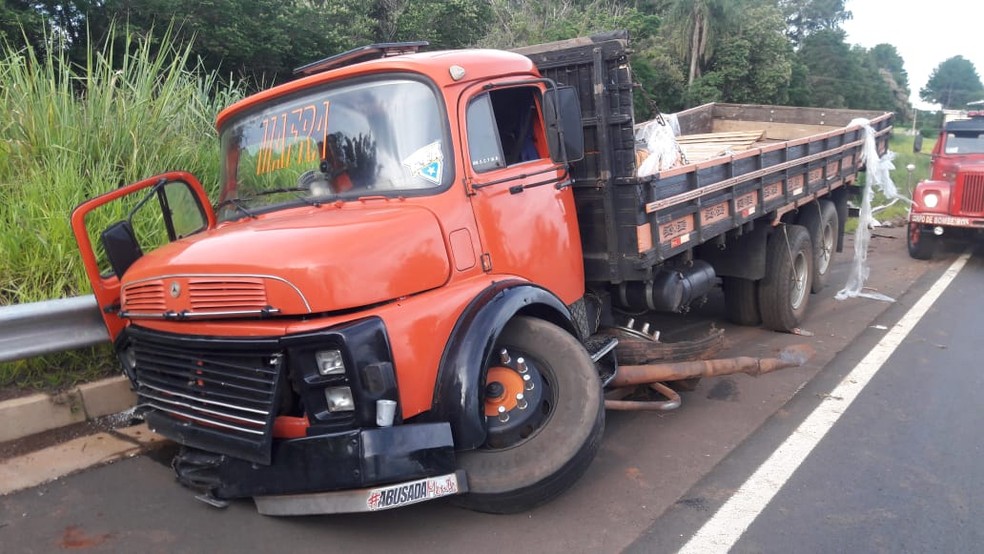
404	494
941	220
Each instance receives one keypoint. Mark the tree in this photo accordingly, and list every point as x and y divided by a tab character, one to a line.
694	26
443	23
751	64
805	17
262	40
831	70
524	22
887	57
953	84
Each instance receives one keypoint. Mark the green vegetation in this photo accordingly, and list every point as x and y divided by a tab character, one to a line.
71	132
953	84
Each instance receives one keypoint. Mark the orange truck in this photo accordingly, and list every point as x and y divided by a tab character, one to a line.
950	204
400	291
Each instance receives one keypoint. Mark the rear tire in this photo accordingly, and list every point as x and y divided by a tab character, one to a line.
548	444
784	292
820	220
741	300
921	243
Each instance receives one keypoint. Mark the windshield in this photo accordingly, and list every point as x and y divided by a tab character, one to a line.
964	143
370	138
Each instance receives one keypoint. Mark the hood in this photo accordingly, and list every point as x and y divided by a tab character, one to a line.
292	262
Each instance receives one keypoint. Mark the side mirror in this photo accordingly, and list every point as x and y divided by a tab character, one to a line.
565	134
917	143
121	246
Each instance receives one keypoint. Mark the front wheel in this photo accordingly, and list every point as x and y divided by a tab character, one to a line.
545	415
921	242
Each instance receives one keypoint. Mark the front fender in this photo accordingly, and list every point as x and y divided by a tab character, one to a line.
459	393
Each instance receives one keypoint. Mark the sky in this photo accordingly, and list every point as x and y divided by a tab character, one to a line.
925	34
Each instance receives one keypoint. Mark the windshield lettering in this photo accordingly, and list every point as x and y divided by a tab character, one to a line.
299	135
380	138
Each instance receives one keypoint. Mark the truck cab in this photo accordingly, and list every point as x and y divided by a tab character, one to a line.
951	202
377	309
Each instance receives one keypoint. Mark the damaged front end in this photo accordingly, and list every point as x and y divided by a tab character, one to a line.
279	419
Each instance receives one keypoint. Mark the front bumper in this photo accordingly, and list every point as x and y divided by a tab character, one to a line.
947	220
338	461
364	500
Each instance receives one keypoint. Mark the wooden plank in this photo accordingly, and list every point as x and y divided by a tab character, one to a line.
829	117
772	131
732	136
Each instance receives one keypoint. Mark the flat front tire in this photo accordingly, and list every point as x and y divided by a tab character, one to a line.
921	242
539	444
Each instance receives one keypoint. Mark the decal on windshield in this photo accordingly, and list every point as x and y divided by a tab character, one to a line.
427	163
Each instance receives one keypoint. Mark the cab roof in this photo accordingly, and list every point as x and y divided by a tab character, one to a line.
973	125
478	64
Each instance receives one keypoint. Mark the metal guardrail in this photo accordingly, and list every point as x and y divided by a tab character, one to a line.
48	327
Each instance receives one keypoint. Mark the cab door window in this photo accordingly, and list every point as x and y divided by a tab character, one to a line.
504	128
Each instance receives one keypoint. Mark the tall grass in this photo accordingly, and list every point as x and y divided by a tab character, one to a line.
71	132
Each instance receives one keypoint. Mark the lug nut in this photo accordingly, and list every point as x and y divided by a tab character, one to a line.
504	356
529	382
645	328
631	323
521	401
521	365
503	416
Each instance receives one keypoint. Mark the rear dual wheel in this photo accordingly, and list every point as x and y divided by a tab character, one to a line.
821	222
545	415
741	300
785	290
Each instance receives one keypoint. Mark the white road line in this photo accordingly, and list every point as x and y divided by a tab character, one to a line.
730	522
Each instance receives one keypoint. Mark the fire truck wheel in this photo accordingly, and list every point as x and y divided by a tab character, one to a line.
545	414
921	242
785	290
820	219
741	300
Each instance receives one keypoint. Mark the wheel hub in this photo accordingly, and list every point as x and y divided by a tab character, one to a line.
515	400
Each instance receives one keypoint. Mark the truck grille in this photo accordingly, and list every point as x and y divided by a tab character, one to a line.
226	294
147	296
973	194
219	395
205	294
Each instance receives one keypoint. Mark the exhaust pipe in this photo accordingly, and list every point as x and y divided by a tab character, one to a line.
630	375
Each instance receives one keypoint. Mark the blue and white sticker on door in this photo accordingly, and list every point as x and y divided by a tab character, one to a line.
427	163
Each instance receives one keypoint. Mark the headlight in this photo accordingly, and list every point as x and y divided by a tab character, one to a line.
339	399
128	359
931	199
330	362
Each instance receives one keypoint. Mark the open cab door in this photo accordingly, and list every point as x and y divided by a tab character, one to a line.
116	229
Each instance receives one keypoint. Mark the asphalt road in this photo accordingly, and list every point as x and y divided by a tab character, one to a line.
646	479
902	470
